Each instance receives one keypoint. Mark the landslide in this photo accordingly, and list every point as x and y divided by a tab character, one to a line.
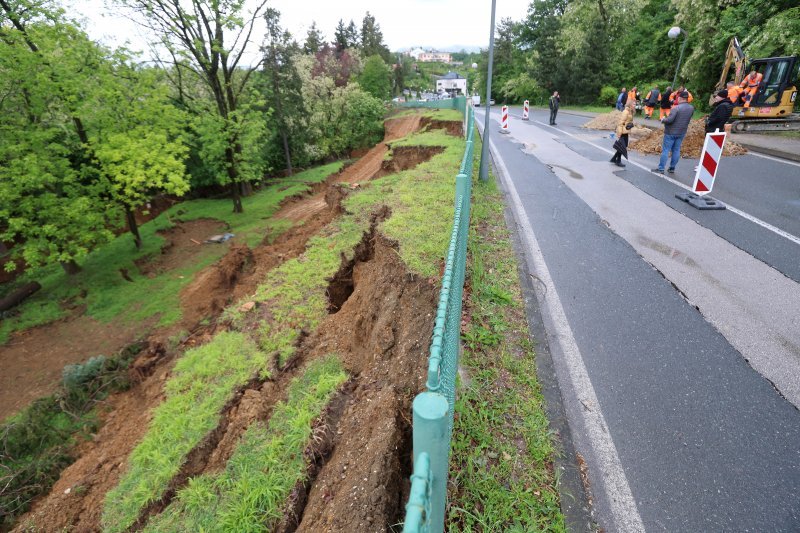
380	329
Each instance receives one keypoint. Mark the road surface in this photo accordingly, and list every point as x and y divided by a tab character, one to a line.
675	333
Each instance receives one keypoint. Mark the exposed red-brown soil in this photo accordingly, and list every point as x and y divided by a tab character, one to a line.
32	360
451	127
407	157
380	324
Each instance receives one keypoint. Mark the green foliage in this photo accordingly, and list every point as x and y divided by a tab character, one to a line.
37	443
249	495
376	78
108	297
203	381
608	95
501	476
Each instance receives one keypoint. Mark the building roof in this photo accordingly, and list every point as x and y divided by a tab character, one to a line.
453	76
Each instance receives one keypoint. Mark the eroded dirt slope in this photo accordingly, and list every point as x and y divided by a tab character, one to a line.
384	360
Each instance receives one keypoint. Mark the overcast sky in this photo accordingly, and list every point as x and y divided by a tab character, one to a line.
443	24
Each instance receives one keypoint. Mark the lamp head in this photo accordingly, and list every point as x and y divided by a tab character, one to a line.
674	32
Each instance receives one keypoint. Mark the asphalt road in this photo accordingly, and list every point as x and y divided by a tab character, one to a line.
675	334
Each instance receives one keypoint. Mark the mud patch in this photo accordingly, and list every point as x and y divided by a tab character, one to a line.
211	290
451	127
32	360
183	244
408	157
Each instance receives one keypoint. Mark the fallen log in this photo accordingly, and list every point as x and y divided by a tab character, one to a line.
17	296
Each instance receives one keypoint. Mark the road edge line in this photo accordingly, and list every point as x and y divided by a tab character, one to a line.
610	473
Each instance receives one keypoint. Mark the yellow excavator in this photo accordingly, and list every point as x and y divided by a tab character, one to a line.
772	107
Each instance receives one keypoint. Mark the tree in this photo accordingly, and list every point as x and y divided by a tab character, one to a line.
345	37
376	78
211	37
284	94
89	133
372	39
314	40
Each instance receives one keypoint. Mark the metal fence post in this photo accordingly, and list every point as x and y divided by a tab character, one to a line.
431	436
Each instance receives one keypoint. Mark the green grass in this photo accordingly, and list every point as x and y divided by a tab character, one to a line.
203	381
501	476
250	494
291	298
108	297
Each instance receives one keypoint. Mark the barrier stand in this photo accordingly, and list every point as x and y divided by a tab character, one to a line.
504	119
525	110
706	173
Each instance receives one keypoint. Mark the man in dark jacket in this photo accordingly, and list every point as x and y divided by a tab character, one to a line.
554	102
675	127
722	112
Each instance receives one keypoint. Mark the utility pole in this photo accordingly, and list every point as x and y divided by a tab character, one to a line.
484	171
673	33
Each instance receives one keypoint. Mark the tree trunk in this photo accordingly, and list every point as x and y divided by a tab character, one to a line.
70	267
286	152
237	198
18	295
133	227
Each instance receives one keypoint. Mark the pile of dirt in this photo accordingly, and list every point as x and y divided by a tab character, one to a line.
606	121
692	144
609	121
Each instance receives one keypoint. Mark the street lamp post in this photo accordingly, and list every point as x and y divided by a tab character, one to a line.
673	34
484	167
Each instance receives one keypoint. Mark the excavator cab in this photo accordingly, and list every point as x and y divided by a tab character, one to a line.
774	102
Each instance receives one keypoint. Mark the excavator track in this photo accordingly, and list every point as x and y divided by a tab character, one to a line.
789	123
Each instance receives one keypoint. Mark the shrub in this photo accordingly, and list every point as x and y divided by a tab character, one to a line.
608	95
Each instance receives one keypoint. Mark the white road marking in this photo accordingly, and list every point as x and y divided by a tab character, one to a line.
765	156
573	372
751	218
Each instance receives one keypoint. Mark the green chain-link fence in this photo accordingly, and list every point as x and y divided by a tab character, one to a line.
433	409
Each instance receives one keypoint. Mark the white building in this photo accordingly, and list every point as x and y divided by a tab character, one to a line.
452	83
434	57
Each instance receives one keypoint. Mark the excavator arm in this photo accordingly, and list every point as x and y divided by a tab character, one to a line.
734	56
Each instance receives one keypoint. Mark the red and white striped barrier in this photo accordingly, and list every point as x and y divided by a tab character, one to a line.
709	163
504	119
525	110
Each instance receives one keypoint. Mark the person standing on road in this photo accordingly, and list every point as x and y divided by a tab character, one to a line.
721	113
621	99
666	104
651	101
624	125
554	102
675	127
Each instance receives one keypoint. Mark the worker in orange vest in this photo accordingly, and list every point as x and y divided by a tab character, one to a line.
734	92
651	101
674	95
750	85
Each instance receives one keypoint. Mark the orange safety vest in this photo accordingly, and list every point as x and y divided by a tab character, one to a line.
674	97
734	92
752	83
632	95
